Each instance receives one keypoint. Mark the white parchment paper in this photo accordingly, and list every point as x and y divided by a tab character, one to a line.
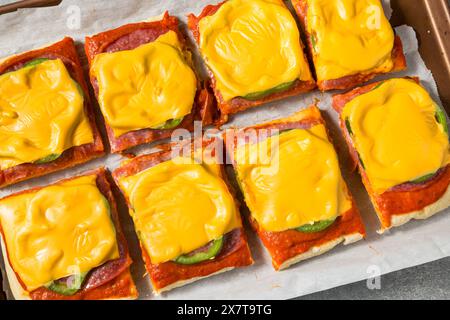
415	243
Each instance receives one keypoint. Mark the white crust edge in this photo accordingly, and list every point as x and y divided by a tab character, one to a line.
15	287
321	249
155	18
425	213
188	281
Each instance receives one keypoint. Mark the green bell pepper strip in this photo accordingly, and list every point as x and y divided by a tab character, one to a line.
31	63
441	118
360	160
49	158
76	280
349	128
314	41
265	93
170	124
213	251
424	178
53	156
70	287
377	86
35	62
316	226
350	132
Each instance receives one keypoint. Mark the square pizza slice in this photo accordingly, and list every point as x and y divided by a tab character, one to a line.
289	174
64	242
253	52
143	78
350	41
184	213
398	138
46	119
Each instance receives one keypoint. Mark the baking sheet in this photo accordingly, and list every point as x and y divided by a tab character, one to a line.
416	243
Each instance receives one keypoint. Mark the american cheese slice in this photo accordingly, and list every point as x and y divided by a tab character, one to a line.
179	206
41	113
349	37
292	179
396	134
58	231
252	46
145	87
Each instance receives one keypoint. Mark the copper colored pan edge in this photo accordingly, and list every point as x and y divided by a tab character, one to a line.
431	21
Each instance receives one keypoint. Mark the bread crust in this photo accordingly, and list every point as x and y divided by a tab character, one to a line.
321	249
66	51
169	275
348	82
120	287
424	213
290	246
239	104
204	107
405	202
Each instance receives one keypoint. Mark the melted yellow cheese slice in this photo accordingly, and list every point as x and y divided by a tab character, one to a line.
292	179
41	113
146	86
179	206
58	231
252	46
396	134
349	37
